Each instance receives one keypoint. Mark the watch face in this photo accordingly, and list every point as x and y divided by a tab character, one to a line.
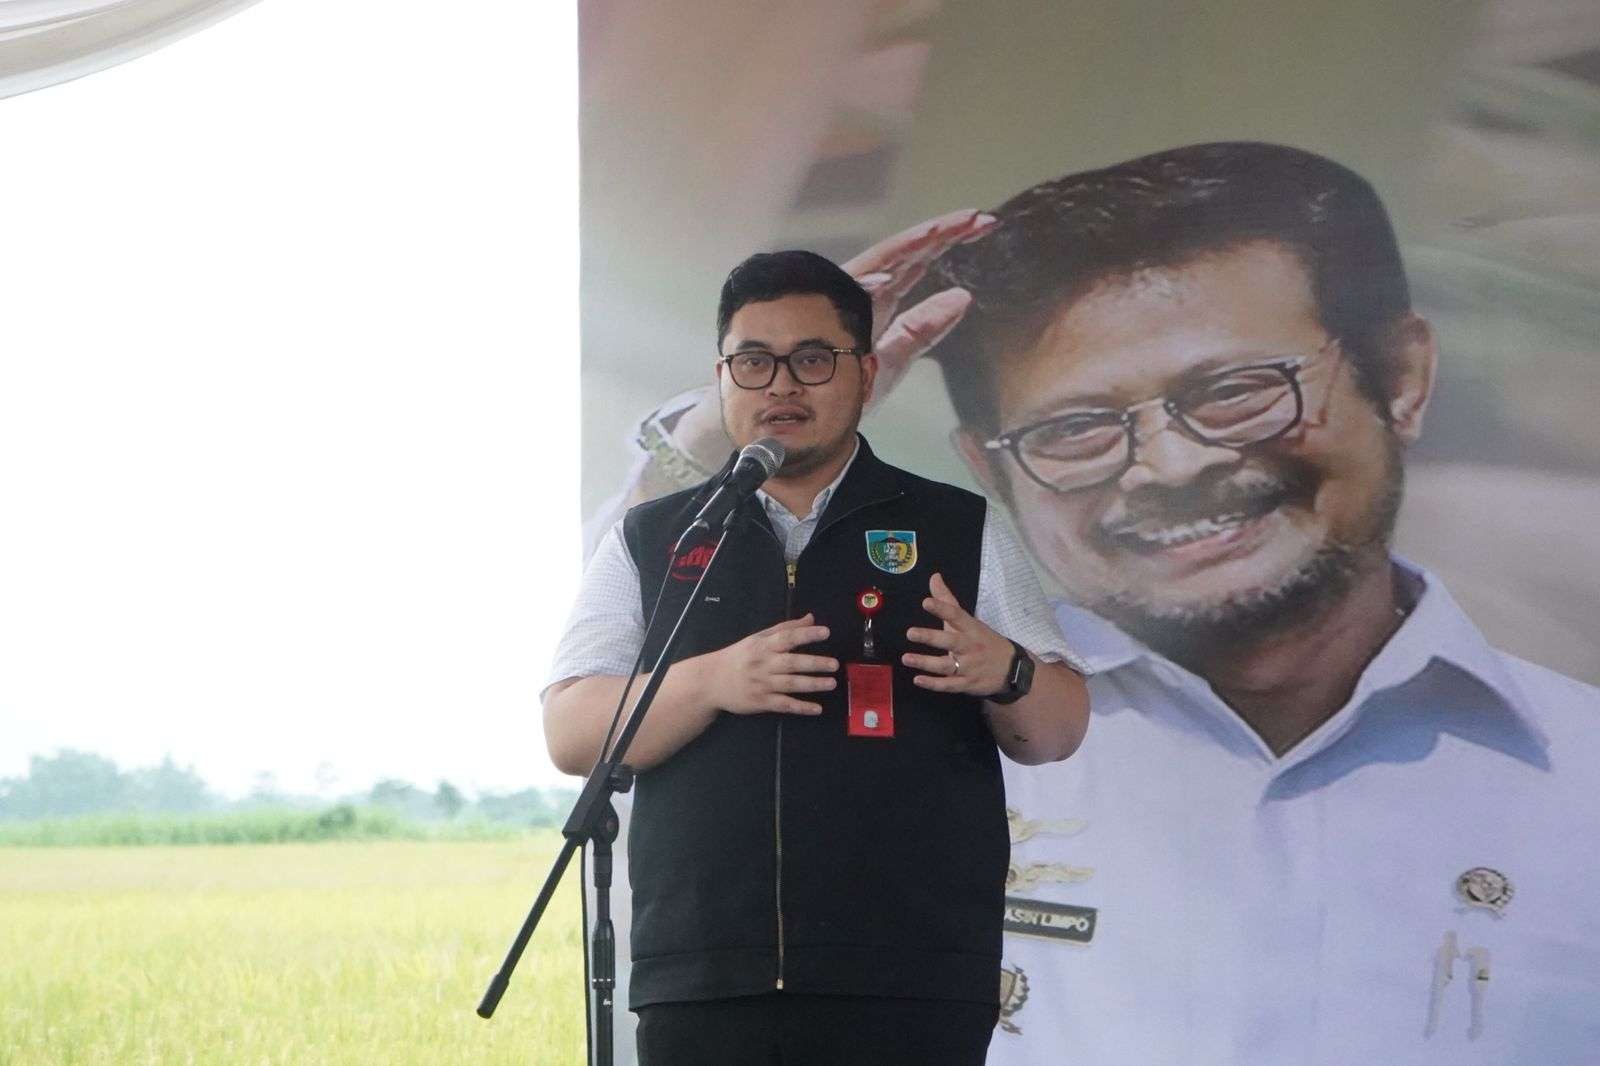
1019	679
1022	674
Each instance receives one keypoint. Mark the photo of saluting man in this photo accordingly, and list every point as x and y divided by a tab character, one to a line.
1192	378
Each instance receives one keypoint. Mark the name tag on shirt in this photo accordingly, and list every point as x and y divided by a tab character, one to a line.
1050	921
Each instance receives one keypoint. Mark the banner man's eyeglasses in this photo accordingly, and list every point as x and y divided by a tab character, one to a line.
1233	408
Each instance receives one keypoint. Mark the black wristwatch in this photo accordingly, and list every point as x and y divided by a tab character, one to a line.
1019	677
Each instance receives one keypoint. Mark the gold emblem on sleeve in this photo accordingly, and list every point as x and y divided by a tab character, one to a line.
1021	878
1026	829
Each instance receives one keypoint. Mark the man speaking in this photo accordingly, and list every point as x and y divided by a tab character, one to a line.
819	841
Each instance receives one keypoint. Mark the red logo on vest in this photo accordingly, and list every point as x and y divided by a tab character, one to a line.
691	563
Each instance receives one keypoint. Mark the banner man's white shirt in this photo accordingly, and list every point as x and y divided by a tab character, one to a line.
1193	898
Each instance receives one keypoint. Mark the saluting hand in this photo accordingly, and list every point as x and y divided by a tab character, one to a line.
757	675
890	269
976	659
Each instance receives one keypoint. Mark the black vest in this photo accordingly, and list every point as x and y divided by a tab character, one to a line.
775	851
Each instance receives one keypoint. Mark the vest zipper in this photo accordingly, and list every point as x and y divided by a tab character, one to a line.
789	567
777	787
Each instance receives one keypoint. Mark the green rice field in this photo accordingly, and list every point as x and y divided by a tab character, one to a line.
369	952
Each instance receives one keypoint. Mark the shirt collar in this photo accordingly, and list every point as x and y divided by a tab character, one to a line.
820	501
1436	631
1439	630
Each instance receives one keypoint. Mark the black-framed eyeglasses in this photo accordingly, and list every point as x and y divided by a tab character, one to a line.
812	364
1233	408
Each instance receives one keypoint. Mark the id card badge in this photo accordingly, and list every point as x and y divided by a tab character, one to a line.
871	685
871	688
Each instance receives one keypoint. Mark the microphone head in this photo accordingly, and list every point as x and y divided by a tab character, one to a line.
768	452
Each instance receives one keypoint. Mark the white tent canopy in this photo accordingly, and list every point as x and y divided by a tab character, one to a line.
45	42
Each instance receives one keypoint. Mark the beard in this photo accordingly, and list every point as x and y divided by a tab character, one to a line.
800	460
1180	631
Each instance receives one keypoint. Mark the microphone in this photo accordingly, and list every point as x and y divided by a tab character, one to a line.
757	461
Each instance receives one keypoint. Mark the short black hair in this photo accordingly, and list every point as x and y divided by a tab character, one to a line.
1057	240
769	275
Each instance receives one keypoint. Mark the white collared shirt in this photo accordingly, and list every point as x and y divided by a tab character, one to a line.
1248	908
793	531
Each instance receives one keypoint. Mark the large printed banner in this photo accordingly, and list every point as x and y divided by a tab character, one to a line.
1347	258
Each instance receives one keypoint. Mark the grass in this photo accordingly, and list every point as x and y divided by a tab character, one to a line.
328	953
266	826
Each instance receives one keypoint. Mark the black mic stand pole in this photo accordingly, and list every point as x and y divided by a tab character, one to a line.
594	821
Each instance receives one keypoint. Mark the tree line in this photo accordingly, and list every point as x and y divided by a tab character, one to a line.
72	783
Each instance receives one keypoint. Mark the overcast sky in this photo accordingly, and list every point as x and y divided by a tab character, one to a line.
288	398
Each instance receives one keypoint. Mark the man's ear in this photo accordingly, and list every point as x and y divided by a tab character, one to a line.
981	462
869	376
1414	356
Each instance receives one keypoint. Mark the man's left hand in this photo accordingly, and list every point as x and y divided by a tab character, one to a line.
976	659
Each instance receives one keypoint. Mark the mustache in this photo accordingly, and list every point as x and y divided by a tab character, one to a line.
767	412
1247	491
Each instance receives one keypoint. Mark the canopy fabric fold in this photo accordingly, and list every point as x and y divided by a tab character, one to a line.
46	42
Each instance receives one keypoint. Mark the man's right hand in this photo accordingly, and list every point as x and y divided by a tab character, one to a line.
759	674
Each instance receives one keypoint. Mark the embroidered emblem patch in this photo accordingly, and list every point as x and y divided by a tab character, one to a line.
894	551
1050	921
1013	995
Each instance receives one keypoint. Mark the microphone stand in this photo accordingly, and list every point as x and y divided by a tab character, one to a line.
593	821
